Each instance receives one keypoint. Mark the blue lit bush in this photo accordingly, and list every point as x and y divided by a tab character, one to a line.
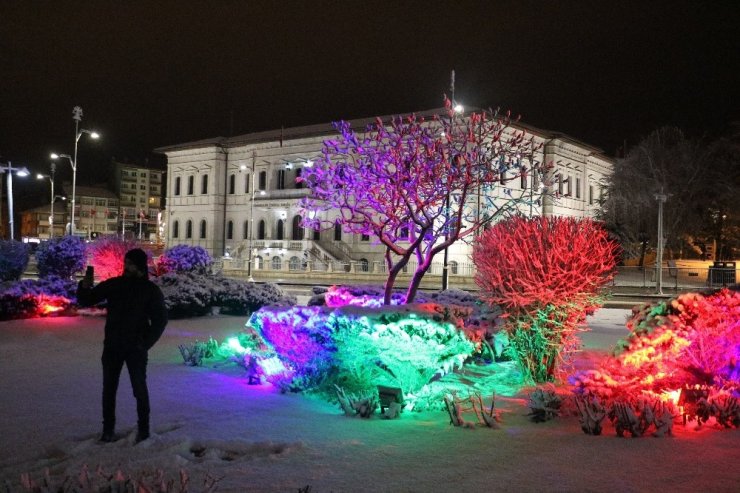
36	297
62	257
185	258
13	259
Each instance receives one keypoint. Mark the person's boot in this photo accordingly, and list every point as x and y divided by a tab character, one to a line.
108	436
143	432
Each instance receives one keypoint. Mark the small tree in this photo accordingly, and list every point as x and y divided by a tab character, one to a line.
419	185
184	258
546	274
63	257
13	259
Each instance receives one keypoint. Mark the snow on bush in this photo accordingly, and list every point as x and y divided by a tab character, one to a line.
13	259
63	256
185	258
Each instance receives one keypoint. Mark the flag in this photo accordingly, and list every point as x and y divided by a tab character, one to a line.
92	212
141	214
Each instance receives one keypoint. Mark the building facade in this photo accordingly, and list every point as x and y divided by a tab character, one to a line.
140	190
233	196
35	222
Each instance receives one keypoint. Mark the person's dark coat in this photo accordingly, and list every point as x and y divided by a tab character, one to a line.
137	314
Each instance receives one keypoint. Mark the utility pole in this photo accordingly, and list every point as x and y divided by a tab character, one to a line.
661	198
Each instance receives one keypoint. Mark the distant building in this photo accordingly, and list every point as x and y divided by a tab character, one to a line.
97	211
140	190
228	195
35	222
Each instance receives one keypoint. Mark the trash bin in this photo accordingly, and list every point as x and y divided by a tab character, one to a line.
722	274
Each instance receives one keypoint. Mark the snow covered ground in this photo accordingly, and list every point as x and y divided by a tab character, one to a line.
208	421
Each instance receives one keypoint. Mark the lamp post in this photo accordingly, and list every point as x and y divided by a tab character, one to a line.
661	198
251	215
457	108
77	117
9	170
50	177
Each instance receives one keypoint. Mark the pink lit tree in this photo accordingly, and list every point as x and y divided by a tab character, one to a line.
419	185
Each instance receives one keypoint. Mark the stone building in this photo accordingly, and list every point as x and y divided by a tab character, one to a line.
239	194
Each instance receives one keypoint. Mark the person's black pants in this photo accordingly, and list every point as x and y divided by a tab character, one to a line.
136	360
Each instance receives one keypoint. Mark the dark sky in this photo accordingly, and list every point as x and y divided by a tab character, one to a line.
154	73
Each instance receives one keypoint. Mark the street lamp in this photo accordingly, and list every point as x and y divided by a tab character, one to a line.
9	170
50	177
77	117
661	198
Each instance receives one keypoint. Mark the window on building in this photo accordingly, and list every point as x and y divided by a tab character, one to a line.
316	235
503	178
280	230
298	173
177	186
232	184
142	187
281	179
404	233
578	188
203	226
364	265
295	263
230	230
204	185
570	185
189	229
143	175
133	173
263	180
261	230
560	184
297	228
535	180
337	232
245	230
590	195
176	229
191	184
276	263
364	237
453	267
246	183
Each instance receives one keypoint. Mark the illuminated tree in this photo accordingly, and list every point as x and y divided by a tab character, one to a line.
106	256
546	273
418	185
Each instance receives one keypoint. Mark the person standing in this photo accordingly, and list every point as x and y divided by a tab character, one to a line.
136	318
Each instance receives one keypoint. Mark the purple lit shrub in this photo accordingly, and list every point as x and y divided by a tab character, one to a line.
63	257
302	339
31	297
13	259
358	347
184	258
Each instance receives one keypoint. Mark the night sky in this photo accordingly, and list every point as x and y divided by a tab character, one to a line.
154	73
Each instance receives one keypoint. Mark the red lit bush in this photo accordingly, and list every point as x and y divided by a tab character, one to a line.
546	274
106	256
690	340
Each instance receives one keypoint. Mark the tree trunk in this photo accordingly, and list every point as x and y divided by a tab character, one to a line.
416	281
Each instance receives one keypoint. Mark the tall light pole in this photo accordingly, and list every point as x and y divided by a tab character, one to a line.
457	108
661	198
50	177
251	214
77	117
9	170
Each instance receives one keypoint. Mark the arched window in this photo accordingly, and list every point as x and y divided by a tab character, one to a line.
453	267
263	180
337	232
279	230
295	263
258	262
177	186
191	184
246	183
245	230
364	265
276	263
297	229
176	229
204	185
203	226
232	184
298	182
316	235
261	230
189	229
230	230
